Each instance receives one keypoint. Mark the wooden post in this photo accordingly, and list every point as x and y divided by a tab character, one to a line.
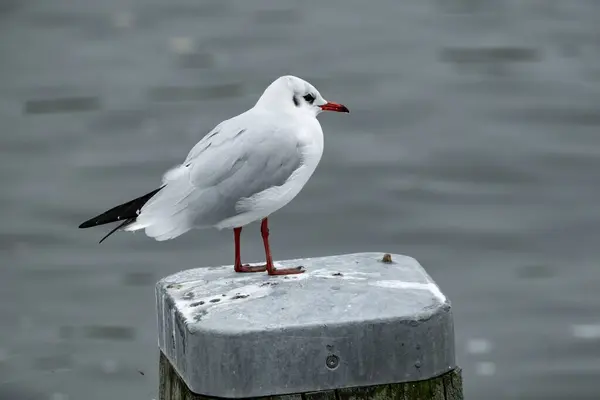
360	326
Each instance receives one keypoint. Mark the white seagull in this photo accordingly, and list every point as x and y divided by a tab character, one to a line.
242	171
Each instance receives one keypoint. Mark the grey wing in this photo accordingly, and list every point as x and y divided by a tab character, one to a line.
219	174
242	166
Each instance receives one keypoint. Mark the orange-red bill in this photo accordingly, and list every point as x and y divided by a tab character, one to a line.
334	107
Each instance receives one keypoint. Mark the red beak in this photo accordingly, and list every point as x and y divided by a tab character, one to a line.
334	107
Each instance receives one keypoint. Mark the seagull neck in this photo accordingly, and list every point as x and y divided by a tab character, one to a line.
276	97
270	108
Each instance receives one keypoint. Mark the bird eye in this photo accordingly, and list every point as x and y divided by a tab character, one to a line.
309	98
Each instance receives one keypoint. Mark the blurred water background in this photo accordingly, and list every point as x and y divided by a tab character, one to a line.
473	145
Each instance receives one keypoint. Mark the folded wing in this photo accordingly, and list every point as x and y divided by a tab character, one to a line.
232	171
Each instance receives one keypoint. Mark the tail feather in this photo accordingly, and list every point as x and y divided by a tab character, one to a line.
126	212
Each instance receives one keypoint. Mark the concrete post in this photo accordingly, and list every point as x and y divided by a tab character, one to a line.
353	326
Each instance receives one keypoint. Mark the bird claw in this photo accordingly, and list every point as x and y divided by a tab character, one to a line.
250	268
286	271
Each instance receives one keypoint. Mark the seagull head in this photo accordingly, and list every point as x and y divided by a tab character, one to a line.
292	94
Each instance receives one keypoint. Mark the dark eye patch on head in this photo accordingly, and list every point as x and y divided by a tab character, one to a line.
309	98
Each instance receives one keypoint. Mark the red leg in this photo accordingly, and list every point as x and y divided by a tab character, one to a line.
238	267
264	230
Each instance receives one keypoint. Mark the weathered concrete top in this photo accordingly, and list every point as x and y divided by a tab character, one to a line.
350	320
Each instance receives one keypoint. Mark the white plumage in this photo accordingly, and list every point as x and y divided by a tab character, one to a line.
243	170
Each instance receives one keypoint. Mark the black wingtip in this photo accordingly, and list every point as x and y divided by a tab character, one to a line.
93	222
86	224
126	222
121	212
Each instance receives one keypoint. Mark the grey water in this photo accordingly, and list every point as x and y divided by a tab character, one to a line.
473	145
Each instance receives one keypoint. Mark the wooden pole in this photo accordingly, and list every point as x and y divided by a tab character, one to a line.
359	326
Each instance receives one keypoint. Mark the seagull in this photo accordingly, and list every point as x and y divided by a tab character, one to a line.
242	171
